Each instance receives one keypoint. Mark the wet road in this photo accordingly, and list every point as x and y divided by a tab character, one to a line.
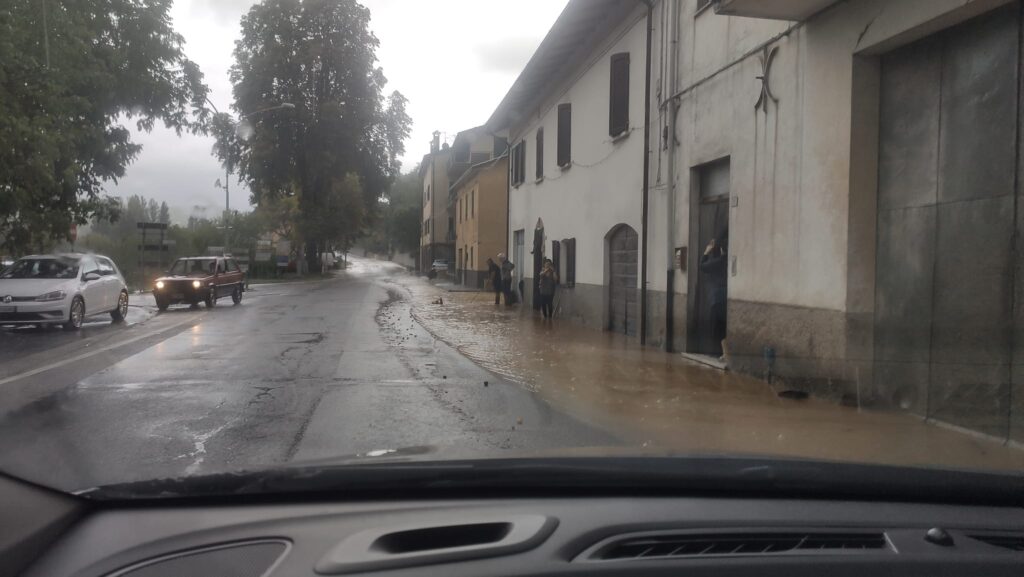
299	371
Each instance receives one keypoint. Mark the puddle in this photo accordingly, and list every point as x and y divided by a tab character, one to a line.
677	405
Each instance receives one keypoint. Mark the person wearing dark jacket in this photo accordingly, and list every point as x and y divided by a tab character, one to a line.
714	264
494	275
548	281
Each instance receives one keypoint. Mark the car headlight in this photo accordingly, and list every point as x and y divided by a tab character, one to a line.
196	284
159	284
51	296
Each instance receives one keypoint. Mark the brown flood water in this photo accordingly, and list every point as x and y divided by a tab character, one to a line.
665	404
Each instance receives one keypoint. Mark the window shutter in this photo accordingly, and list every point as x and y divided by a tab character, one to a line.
618	99
522	161
564	134
556	257
539	172
570	264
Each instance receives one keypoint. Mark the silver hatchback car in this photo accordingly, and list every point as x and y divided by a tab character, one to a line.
61	289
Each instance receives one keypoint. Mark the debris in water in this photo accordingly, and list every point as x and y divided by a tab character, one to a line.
519	421
793	394
444	376
485	383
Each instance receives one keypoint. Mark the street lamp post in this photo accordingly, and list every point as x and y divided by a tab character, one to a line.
227	164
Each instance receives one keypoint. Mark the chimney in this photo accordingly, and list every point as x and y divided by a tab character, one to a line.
435	144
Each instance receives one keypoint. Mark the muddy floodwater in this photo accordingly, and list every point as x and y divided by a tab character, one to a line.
664	403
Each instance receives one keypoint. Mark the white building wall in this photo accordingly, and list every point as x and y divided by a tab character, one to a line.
603	187
790	167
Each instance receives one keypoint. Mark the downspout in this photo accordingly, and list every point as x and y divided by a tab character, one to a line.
647	175
670	169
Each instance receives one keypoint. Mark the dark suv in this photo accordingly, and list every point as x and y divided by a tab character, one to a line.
200	278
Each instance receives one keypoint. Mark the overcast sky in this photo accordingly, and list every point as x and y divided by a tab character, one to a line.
453	59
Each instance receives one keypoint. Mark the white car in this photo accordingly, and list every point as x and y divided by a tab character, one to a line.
61	289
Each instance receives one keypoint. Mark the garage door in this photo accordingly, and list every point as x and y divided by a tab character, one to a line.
622	291
946	217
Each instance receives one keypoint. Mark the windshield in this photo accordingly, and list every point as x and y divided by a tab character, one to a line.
41	268
193	267
363	232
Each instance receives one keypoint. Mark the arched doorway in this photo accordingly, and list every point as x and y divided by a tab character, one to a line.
622	244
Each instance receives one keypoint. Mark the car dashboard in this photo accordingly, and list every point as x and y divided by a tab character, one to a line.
585	534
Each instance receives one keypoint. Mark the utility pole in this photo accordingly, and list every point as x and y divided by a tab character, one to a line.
227	163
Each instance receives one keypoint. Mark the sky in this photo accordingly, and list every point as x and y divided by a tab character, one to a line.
453	59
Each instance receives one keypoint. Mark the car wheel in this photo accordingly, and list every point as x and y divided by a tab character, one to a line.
236	295
211	298
161	304
121	311
76	315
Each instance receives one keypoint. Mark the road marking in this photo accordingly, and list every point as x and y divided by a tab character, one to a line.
91	353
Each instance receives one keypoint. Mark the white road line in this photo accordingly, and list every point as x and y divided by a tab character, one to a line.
91	353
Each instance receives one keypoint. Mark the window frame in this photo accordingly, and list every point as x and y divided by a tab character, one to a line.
563	136
538	168
618	94
518	164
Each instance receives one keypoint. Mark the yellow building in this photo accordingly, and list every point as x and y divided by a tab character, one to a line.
480	210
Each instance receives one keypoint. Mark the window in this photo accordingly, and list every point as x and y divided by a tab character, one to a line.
232	265
517	165
618	95
472	203
89	265
220	266
500	145
570	262
428	192
539	172
106	267
564	135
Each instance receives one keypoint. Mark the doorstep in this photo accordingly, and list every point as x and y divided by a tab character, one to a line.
706	360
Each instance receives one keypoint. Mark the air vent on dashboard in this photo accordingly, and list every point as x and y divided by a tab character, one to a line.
652	546
241	559
1011	542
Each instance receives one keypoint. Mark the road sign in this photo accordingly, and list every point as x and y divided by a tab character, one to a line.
151	225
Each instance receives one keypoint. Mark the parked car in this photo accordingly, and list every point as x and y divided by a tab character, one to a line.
439	265
62	289
198	279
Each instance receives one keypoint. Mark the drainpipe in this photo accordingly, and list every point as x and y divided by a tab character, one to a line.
670	168
647	176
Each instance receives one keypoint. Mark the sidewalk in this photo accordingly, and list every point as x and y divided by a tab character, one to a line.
665	403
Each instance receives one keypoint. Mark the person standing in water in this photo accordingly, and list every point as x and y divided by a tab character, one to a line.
506	277
494	275
548	282
714	265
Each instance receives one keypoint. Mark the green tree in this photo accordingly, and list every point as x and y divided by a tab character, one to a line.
318	55
165	213
398	227
70	74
